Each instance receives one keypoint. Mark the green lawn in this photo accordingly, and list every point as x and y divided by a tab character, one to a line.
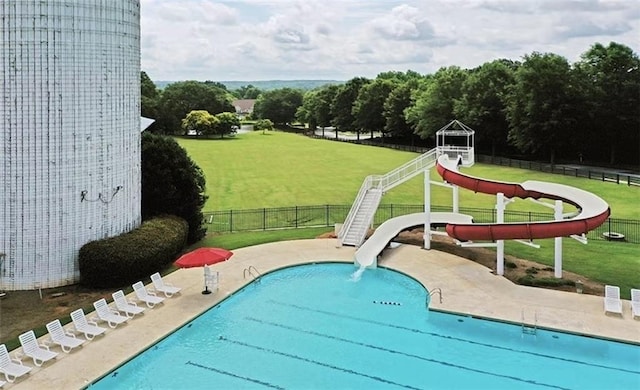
255	170
278	169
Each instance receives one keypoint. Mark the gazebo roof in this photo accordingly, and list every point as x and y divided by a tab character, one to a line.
455	128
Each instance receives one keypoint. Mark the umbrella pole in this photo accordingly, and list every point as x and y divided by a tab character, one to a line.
206	287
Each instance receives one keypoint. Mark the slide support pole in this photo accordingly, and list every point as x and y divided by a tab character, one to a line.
558	243
500	243
456	199
427	209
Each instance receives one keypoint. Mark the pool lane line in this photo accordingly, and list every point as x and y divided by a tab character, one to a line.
219	371
322	364
419	331
410	355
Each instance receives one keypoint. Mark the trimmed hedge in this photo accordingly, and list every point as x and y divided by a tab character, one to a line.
132	256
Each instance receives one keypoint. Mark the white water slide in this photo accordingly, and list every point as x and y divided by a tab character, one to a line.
367	254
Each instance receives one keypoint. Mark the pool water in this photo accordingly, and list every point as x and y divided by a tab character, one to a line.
312	327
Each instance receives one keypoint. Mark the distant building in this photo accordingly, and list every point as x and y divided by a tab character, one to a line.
244	107
69	134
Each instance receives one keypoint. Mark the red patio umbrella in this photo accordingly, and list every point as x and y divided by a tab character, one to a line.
202	257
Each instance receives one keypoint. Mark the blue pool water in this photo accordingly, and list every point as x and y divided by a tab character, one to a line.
311	327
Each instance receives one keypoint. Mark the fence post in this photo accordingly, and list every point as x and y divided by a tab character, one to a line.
296	217
326	208
264	219
230	221
391	210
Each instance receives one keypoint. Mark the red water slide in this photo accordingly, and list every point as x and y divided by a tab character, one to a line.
593	210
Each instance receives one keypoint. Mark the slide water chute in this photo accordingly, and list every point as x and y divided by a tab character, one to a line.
593	211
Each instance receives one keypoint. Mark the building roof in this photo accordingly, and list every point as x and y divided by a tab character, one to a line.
244	106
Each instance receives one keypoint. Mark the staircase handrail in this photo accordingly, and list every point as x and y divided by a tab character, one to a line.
371	181
408	170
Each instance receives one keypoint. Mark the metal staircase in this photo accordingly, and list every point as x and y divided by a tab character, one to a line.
360	217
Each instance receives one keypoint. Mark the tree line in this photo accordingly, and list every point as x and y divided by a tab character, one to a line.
541	107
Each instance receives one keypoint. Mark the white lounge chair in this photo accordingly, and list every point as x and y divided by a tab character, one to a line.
11	368
145	296
66	340
104	312
612	302
635	302
124	306
160	285
30	348
89	328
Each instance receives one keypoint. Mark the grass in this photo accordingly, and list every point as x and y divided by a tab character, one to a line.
276	169
255	170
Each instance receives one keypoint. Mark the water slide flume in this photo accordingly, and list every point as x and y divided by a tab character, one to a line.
593	211
370	249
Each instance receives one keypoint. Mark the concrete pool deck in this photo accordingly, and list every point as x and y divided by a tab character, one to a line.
467	288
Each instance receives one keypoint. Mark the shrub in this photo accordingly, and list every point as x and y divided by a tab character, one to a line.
530	280
132	256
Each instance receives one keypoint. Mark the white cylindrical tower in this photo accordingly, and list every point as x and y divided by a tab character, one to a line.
69	133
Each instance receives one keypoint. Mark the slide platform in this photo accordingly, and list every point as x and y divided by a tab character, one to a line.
593	210
370	249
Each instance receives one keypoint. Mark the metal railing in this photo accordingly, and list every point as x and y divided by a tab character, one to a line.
229	221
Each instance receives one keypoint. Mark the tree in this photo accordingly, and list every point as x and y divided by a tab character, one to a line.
172	183
178	99
543	105
307	112
247	92
482	104
342	104
435	101
228	123
149	97
264	125
613	75
325	97
368	108
201	122
279	105
397	102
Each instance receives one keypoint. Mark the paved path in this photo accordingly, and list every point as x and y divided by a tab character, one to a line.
467	288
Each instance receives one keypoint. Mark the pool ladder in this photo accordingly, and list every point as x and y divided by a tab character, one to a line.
436	290
251	272
528	329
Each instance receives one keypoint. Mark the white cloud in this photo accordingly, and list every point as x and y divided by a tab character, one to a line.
403	23
341	39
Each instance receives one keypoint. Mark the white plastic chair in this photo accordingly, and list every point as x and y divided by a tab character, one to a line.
66	340
210	280
612	302
160	285
111	317
635	302
11	368
145	296
89	328
128	308
30	348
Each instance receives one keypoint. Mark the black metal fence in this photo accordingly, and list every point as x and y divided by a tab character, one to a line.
612	175
575	171
229	221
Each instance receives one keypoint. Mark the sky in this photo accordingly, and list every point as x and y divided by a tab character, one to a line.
249	40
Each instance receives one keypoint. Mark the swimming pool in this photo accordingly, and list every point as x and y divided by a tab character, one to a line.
312	327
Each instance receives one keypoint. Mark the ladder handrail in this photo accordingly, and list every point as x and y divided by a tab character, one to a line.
436	290
250	271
